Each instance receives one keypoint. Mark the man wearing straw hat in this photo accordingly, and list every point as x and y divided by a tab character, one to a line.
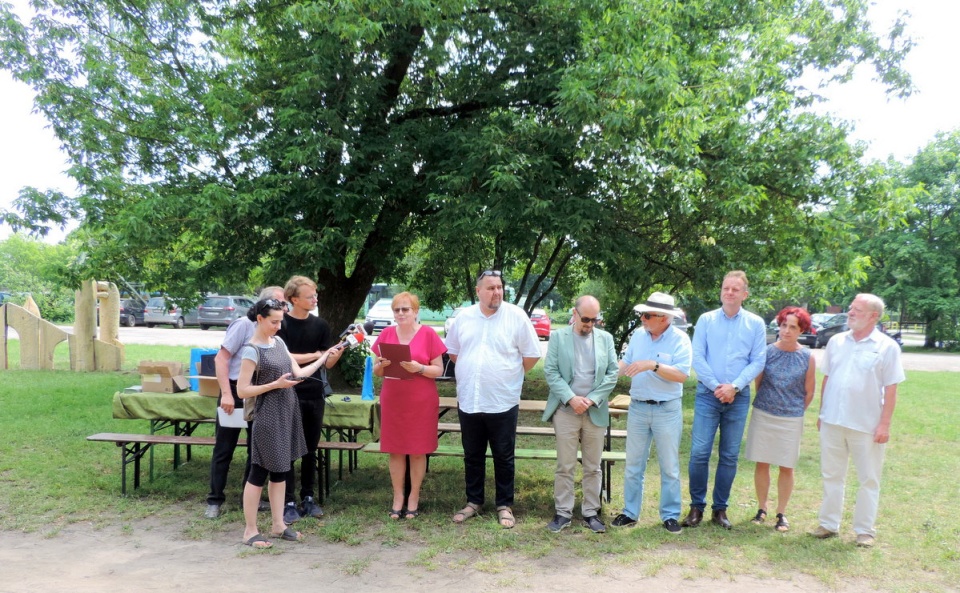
658	362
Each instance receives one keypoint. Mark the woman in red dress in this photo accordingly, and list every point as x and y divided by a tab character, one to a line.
409	406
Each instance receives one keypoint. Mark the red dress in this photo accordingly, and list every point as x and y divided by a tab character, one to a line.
409	409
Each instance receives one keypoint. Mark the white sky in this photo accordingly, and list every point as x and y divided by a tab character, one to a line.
30	155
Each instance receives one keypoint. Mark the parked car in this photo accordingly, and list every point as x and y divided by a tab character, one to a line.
379	316
157	313
541	323
222	310
680	322
830	328
773	331
131	312
449	322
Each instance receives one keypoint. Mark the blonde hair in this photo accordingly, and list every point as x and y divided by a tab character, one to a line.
414	301
738	274
292	288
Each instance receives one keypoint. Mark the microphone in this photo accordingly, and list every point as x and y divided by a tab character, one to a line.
353	336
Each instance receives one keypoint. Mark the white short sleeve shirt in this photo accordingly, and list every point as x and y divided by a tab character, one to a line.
490	352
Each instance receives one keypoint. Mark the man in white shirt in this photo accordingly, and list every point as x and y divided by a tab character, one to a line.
861	371
493	345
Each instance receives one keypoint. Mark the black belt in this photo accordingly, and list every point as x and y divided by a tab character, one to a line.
651	402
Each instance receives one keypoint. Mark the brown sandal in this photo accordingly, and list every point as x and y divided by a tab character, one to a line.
471	510
505	517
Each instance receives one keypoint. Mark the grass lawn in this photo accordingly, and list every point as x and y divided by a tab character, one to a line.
53	477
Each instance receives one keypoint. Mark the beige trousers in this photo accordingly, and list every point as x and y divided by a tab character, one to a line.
577	432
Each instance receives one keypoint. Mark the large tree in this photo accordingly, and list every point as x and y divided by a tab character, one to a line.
648	142
916	265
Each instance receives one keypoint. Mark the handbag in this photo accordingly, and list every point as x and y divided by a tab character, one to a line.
249	408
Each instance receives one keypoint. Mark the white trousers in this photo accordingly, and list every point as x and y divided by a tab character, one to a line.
837	445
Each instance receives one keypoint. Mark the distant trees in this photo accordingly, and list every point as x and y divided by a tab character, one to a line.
916	266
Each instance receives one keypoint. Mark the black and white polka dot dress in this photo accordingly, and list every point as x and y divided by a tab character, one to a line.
278	438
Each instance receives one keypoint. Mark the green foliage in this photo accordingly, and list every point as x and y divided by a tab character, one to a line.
915	264
351	365
31	267
634	143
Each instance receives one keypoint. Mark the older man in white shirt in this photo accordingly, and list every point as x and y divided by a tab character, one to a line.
861	369
493	345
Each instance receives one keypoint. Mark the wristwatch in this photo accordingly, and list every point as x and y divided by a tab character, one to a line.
736	389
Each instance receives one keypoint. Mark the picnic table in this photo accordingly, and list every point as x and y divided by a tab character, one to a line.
346	416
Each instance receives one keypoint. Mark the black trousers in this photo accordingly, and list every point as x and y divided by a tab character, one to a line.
311	413
223	449
499	431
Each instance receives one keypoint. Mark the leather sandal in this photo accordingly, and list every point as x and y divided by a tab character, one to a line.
782	523
471	510
760	518
505	517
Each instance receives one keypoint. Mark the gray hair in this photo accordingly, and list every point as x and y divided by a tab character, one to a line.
268	292
873	301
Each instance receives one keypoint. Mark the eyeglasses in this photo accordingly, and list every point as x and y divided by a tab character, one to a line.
649	316
403	309
583	319
494	273
312	297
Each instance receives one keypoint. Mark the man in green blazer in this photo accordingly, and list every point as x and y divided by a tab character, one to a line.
581	371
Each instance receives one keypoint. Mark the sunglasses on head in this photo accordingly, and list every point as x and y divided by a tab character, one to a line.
494	273
272	305
649	316
583	319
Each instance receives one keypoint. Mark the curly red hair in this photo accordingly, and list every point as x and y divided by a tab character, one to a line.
803	318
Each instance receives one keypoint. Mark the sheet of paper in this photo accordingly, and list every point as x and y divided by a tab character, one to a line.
395	353
234	419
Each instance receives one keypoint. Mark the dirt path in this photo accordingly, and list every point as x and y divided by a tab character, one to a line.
154	556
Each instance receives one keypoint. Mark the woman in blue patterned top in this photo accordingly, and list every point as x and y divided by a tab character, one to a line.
784	390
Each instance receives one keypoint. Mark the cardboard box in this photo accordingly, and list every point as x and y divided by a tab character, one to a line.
208	386
162	377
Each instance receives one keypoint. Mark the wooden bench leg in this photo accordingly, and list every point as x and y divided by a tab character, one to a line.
131	453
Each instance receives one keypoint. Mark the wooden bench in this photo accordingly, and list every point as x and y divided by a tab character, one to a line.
607	458
135	446
445	427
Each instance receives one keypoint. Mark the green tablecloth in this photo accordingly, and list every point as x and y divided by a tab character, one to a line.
188	405
352	413
342	411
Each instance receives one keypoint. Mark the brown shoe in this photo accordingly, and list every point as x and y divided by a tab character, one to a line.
720	518
693	518
822	532
865	540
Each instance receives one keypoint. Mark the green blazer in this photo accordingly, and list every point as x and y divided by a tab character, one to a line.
558	369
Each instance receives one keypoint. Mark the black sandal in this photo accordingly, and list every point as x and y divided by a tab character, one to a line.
782	523
760	517
395	514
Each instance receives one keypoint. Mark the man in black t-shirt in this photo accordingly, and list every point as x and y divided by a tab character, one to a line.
307	337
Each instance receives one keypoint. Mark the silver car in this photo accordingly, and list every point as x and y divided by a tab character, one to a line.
157	313
221	310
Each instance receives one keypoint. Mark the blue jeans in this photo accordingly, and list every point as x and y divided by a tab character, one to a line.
710	415
499	431
662	424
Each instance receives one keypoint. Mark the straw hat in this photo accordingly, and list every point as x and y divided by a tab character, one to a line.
659	302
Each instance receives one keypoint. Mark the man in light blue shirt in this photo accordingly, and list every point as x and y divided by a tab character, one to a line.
729	351
658	362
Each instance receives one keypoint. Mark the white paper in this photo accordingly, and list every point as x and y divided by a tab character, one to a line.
232	420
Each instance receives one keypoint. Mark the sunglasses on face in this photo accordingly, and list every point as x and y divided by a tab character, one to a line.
583	319
649	316
403	309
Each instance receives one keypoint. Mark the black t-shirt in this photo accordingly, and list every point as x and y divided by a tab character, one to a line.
304	336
